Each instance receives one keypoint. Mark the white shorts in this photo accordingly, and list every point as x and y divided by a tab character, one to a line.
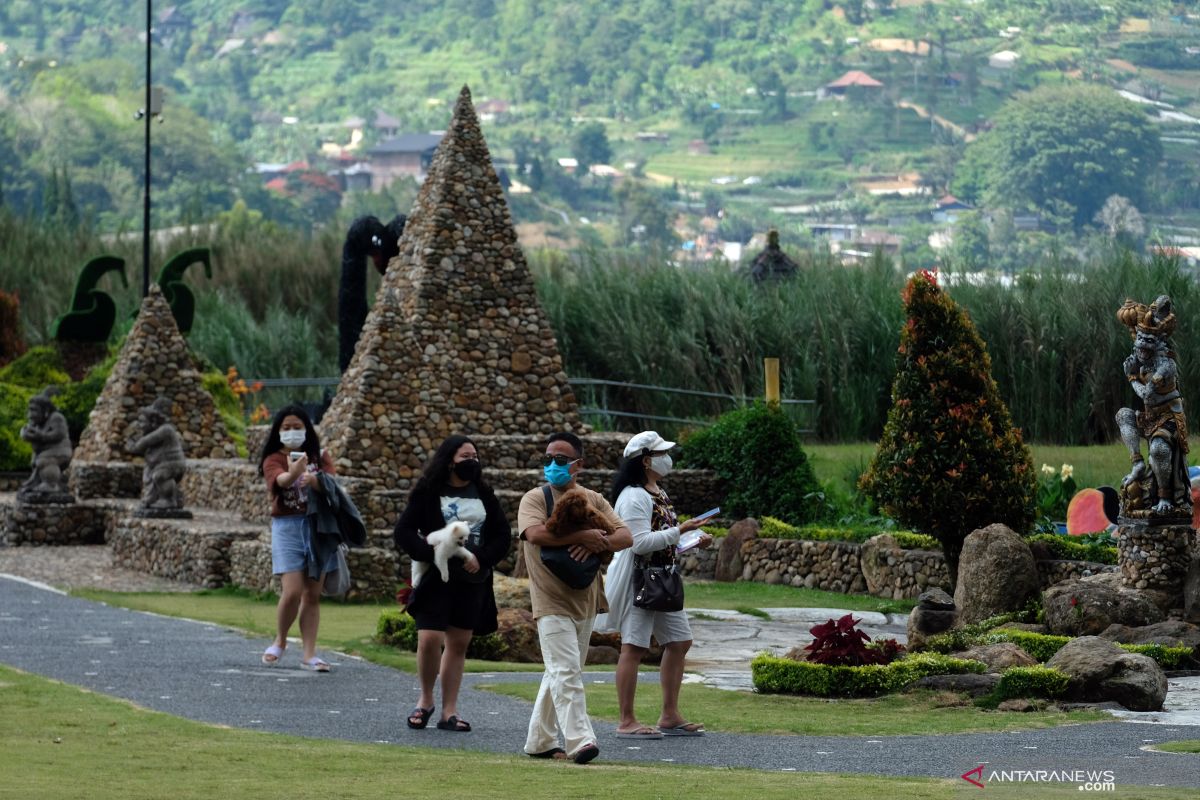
667	627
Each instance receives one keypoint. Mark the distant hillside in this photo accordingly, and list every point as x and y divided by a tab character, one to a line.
727	88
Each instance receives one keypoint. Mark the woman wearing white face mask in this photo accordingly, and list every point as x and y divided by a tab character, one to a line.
291	459
644	506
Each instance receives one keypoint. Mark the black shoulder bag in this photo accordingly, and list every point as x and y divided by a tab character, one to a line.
575	574
657	588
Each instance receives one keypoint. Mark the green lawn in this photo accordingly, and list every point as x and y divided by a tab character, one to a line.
1185	746
62	742
1101	465
892	715
710	594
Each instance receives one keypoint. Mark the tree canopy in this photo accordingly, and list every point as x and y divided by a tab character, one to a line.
1062	151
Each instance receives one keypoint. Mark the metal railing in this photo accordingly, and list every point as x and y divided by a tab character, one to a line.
604	410
600	410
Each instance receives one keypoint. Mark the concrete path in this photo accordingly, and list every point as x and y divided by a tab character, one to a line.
212	674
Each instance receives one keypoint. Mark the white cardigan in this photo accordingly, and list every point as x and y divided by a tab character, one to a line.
635	507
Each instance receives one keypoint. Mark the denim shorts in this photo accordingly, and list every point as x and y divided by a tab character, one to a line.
291	545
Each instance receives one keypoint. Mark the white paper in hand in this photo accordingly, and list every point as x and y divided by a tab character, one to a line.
688	541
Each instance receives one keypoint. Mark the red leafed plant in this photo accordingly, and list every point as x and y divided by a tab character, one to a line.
840	643
404	593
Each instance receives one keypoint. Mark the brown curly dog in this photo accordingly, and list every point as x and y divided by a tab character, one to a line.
572	512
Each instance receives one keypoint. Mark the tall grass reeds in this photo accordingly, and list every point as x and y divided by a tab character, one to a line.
1055	344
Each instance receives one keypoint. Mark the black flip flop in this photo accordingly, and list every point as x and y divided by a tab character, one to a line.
454	724
423	713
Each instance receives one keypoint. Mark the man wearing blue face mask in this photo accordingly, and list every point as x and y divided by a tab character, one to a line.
564	615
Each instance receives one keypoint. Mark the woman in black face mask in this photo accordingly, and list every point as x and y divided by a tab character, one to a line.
449	613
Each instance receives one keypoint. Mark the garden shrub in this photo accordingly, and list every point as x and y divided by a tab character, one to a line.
15	453
1066	548
1030	682
396	628
1041	646
772	528
38	368
1167	657
757	451
772	675
950	460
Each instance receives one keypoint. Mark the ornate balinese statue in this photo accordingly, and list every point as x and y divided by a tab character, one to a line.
1157	487
46	430
162	448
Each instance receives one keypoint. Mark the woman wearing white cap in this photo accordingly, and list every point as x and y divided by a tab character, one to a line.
644	506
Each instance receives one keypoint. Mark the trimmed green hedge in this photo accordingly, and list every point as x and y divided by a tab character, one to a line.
397	629
1064	548
1030	682
1043	646
772	675
772	528
1167	657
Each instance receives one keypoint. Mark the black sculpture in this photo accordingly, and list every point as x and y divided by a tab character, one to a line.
92	312
367	237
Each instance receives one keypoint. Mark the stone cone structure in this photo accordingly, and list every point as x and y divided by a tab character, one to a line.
456	341
154	362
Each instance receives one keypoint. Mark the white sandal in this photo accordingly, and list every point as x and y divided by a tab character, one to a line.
272	654
315	664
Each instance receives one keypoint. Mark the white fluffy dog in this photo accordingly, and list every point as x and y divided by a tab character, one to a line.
447	543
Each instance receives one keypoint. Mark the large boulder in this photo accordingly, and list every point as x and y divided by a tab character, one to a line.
511	592
999	656
996	573
518	634
729	554
967	683
1087	606
1099	671
935	613
1169	633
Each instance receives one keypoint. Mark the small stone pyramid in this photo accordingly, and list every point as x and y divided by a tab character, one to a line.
154	362
457	341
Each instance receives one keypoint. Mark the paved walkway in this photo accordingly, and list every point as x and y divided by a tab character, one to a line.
212	674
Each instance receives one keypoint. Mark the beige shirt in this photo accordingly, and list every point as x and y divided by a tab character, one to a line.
550	596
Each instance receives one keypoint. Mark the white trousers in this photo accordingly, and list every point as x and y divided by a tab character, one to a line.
560	704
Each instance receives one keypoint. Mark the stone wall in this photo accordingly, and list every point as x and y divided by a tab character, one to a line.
193	551
1051	571
373	570
95	479
22	524
893	573
832	566
1155	559
700	564
11	481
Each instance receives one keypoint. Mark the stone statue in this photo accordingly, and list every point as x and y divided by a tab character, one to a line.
1159	491
46	431
165	463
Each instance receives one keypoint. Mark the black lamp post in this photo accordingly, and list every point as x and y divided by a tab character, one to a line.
146	115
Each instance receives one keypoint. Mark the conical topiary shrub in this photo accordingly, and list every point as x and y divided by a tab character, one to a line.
950	460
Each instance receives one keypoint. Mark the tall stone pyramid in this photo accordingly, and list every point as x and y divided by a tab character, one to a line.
154	362
456	341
